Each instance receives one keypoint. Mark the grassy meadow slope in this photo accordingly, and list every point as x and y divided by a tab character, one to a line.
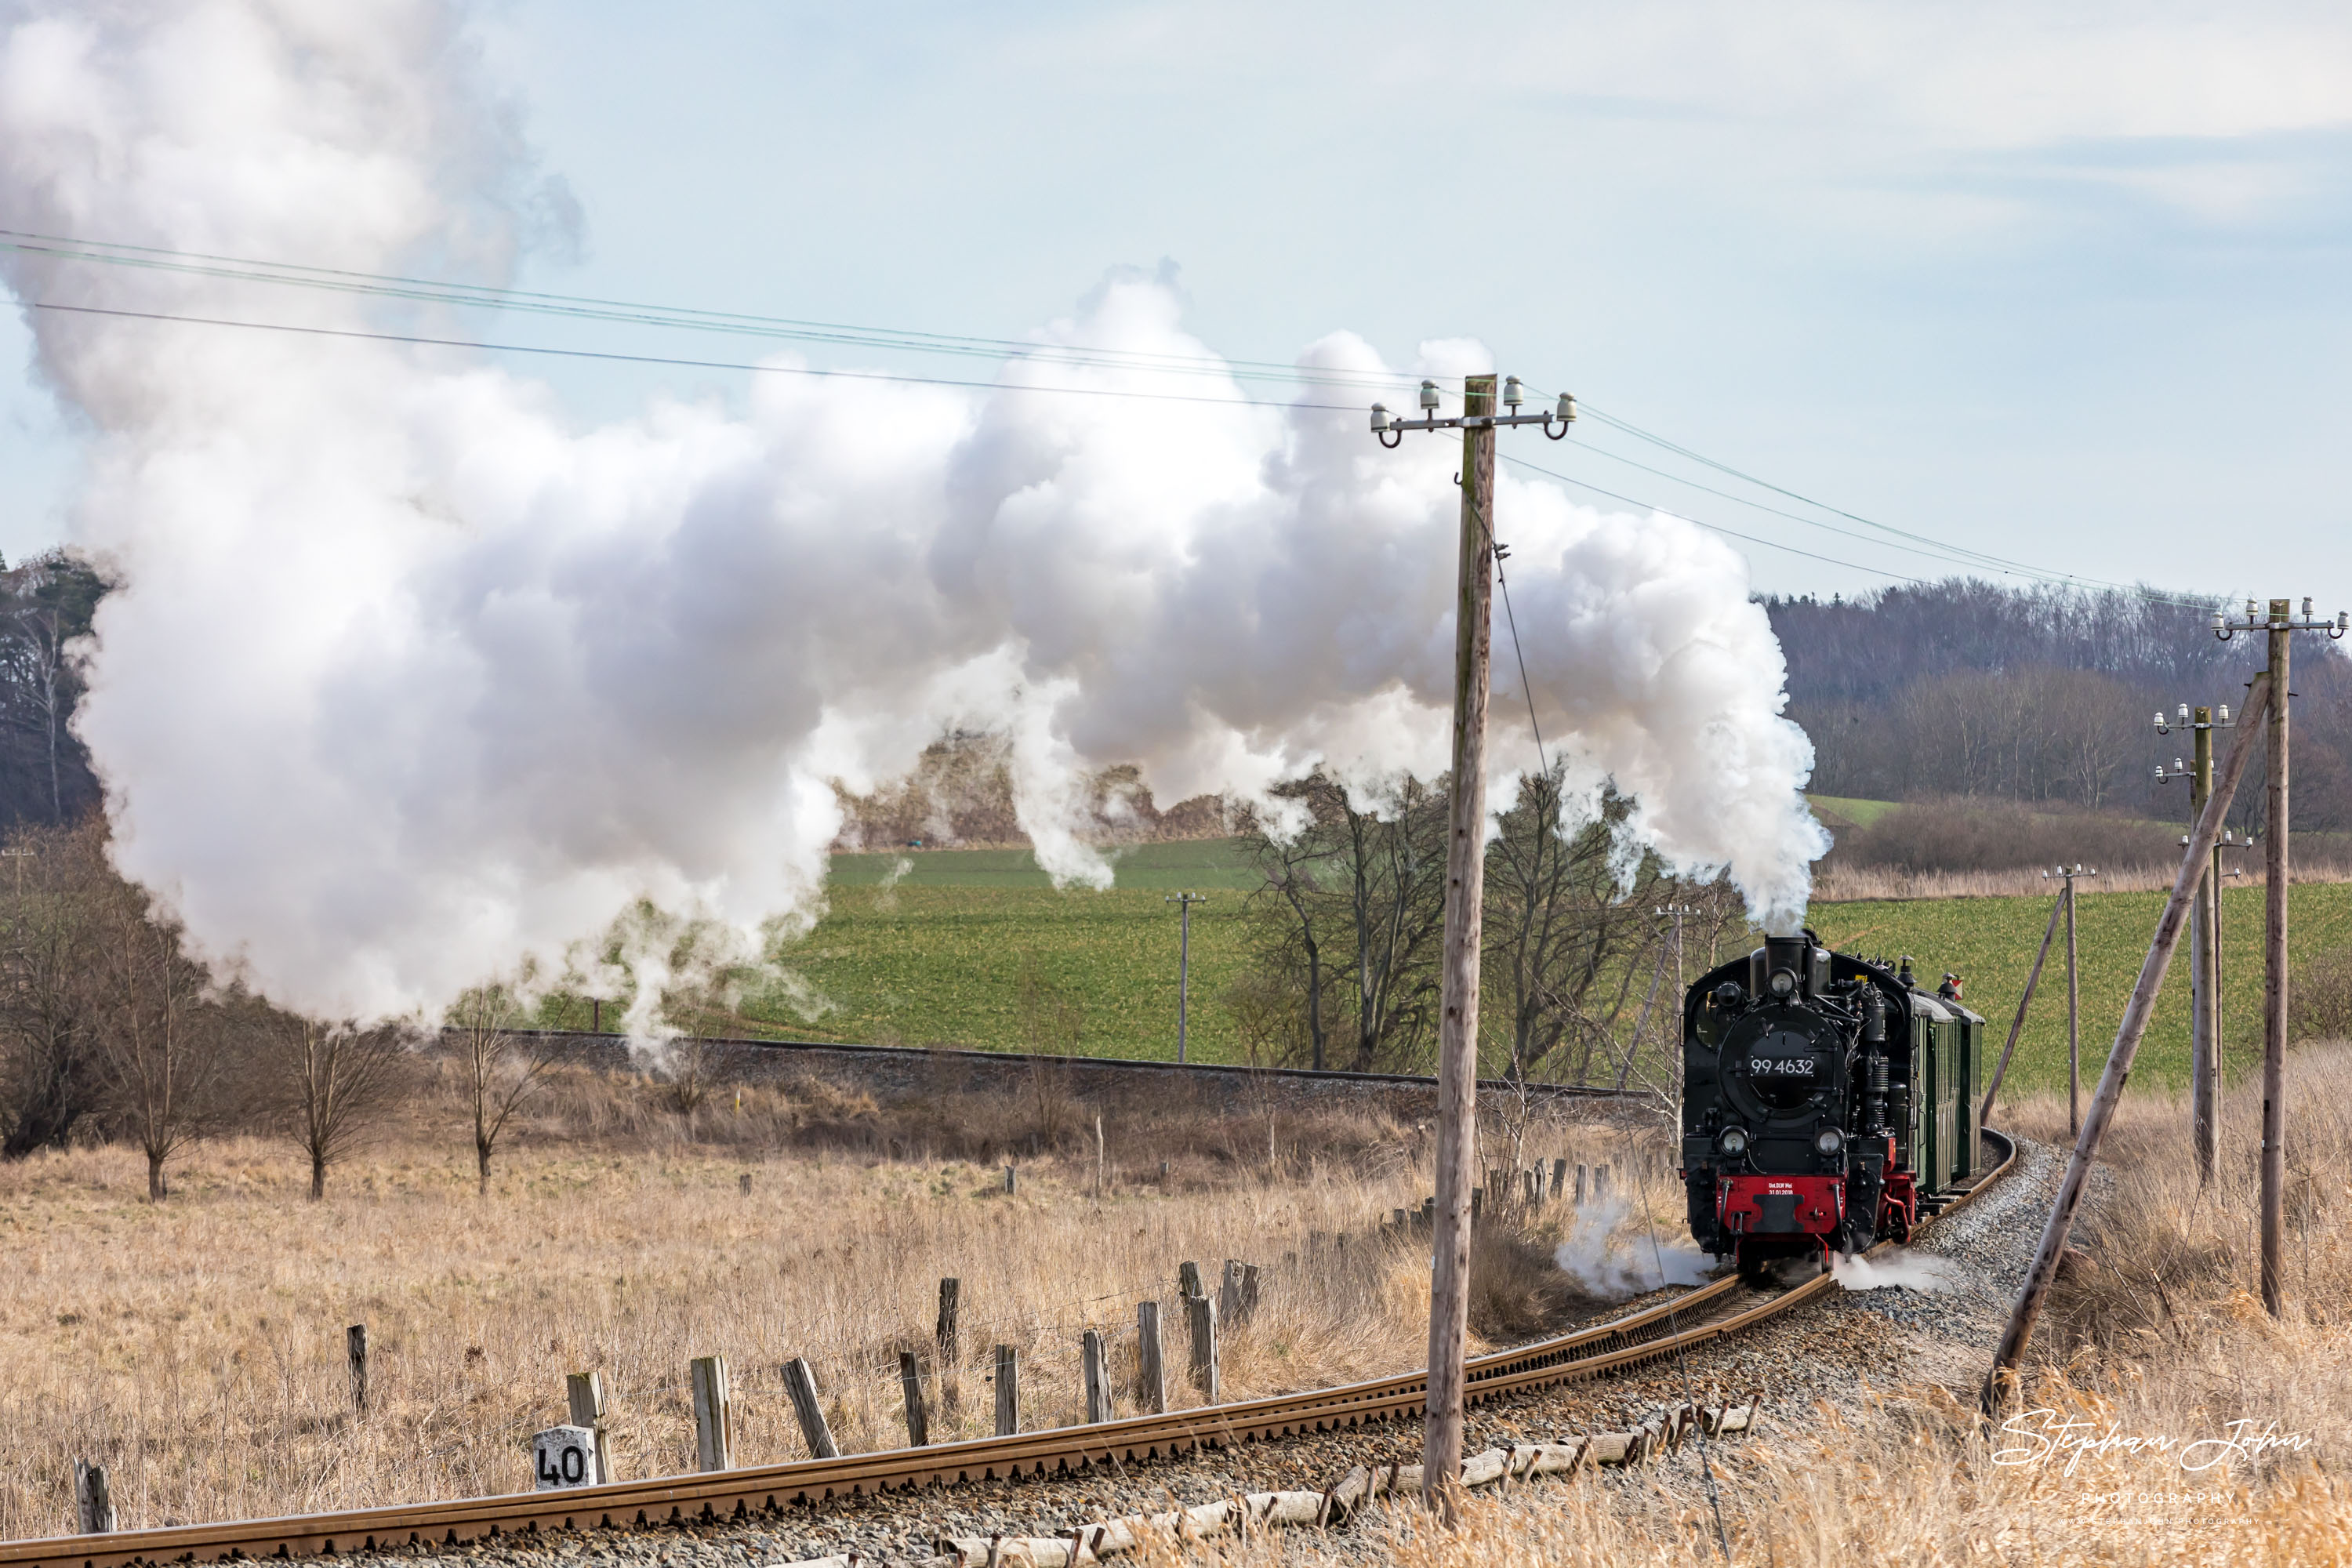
1990	943
976	948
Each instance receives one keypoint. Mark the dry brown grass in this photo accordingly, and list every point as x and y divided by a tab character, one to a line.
197	1347
2160	1339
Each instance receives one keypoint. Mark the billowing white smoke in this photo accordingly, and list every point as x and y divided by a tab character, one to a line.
410	680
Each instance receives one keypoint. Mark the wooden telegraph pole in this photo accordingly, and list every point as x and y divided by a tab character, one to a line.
2280	626
2110	1092
1457	1028
2204	943
1466	875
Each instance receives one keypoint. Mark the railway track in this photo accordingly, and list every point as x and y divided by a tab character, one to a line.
591	1044
1724	1307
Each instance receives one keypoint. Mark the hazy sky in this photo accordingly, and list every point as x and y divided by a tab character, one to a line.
2063	283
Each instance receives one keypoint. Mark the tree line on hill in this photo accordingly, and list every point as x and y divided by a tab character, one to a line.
1967	689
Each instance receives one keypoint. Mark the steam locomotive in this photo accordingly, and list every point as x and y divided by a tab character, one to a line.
1828	1103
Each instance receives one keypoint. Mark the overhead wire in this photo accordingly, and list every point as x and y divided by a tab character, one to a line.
635	313
421	290
418	339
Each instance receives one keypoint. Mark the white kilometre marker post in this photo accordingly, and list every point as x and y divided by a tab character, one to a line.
1466	877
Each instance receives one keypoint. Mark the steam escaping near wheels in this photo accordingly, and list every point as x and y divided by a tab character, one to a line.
412	680
1898	1266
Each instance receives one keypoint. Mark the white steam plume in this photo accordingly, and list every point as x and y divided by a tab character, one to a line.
410	680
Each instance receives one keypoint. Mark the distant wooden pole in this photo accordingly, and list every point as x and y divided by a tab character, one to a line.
2274	870
1097	1378
910	1383
2074	1022
800	1386
1188	1280
93	1502
1201	1314
1457	1023
355	1353
714	1427
1101	1165
950	1342
2193	867
1008	1391
1150	1370
2204	1039
583	1394
2017	1025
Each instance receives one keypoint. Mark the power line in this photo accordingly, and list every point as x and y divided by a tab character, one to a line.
628	313
1710	527
422	341
2000	563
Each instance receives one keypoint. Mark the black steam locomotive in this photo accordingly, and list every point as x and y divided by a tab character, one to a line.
1828	1102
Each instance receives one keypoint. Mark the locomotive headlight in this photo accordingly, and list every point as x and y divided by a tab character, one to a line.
1829	1140
1783	981
1733	1141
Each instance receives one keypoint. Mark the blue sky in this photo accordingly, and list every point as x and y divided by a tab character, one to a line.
2066	284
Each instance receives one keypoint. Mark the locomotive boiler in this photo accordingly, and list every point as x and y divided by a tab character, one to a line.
1828	1103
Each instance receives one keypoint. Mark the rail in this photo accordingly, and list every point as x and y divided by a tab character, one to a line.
1140	1064
1724	1307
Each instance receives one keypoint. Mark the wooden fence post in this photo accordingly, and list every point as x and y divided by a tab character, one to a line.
92	1501
1101	1162
1097	1378
800	1383
1202	1314
714	1430
355	1352
1580	1186
1011	1181
583	1393
1151	1371
1558	1178
910	1383
1249	1291
1008	1391
1188	1280
1229	1292
951	1341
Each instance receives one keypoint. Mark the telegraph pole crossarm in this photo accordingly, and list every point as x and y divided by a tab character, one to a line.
2280	626
1457	1044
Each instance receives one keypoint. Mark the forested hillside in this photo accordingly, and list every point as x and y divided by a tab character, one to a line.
1963	687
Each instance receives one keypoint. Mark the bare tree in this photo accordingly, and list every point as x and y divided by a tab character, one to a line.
160	1037
501	1067
1562	929
338	1081
49	1073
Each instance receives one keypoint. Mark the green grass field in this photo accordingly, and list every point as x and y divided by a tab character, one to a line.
1836	809
1990	943
1198	864
938	958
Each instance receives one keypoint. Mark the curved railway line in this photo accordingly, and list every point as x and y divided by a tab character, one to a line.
1723	1307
